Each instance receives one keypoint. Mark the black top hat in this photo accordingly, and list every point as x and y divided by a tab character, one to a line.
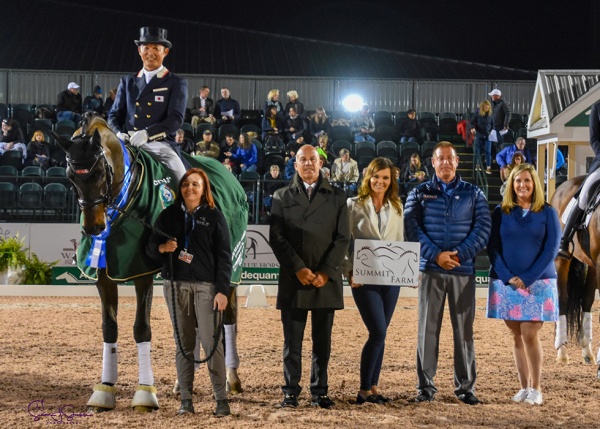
153	35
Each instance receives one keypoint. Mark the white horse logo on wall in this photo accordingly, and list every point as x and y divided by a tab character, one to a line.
390	263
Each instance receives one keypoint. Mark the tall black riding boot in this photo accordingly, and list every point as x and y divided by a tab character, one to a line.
575	218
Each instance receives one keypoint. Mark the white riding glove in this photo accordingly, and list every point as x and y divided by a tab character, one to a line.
139	138
124	137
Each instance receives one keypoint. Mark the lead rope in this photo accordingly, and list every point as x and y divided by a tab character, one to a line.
217	323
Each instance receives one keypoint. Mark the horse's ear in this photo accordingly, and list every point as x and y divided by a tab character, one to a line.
96	139
63	142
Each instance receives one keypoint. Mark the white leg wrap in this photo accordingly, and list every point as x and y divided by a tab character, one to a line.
232	359
560	338
586	324
598	360
146	377
109	363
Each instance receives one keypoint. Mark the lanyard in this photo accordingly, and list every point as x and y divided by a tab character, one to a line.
189	218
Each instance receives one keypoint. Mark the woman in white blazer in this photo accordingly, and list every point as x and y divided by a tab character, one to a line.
376	213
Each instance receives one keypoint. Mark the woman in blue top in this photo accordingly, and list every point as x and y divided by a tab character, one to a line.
482	125
245	155
522	290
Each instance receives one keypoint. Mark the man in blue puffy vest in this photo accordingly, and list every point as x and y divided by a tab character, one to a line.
451	220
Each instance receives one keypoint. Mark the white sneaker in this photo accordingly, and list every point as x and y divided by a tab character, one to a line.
521	395
534	397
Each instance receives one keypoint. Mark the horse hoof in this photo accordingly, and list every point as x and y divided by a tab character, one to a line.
234	385
234	388
589	360
561	356
145	400
98	410
103	398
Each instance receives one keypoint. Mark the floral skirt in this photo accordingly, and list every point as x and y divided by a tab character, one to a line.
538	302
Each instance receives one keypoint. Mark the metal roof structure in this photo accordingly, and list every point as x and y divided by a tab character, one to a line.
54	35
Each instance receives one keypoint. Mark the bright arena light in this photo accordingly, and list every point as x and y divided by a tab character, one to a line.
353	103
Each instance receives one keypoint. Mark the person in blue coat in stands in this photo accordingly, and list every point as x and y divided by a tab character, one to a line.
150	106
245	156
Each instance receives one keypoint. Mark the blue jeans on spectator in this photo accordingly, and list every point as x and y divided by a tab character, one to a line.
360	137
376	306
480	141
67	115
249	168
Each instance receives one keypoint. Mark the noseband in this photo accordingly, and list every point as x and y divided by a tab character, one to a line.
82	170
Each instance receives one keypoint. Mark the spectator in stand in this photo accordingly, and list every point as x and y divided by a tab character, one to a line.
501	116
273	181
414	174
293	147
271	124
522	290
363	125
319	124
345	170
227	110
482	124
294	125
68	105
410	127
12	137
293	102
38	151
185	145
228	145
203	108
415	171
325	150
94	102
517	159
245	157
290	168
504	157
108	103
273	101
207	146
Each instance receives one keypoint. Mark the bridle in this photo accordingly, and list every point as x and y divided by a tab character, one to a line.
83	169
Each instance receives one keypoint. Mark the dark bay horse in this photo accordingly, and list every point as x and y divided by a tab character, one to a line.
121	191
577	280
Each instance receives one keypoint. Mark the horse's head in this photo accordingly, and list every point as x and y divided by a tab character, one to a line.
90	173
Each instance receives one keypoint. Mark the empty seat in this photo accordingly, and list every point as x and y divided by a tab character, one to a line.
364	161
342	144
55	196
341	132
427	149
32	173
406	151
383	118
8	195
30	196
56	175
200	131
228	129
65	127
385	132
387	149
8	173
188	131
365	148
427	119
12	157
44	125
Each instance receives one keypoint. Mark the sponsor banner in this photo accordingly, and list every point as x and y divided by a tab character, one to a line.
389	263
482	278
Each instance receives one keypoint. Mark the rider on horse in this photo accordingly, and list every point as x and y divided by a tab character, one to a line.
587	188
149	107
